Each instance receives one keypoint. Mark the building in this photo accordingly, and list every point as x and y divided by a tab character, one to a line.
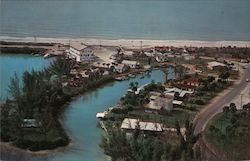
131	64
120	68
215	65
189	84
132	124
81	52
160	104
192	81
161	58
179	95
30	123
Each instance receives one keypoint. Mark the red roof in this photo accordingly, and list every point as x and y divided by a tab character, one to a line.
192	80
185	86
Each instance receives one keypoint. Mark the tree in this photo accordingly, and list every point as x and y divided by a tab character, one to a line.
61	66
226	109
232	107
224	75
45	121
178	128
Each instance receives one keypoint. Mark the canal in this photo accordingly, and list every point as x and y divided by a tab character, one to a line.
79	118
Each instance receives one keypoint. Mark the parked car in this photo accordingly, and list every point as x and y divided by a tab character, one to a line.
247	80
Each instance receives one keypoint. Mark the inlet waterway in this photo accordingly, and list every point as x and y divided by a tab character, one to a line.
79	117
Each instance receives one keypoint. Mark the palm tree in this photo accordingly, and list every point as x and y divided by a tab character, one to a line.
60	67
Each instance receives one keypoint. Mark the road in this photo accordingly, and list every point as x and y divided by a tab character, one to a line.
215	107
220	101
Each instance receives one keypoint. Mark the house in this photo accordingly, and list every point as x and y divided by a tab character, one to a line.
131	64
83	74
244	61
192	81
161	58
189	84
120	68
30	123
81	52
215	65
160	104
188	56
181	93
132	124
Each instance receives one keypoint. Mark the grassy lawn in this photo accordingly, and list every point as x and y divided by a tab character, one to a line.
236	147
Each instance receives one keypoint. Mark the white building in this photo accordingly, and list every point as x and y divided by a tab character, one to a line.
130	63
213	64
120	68
132	124
161	58
81	52
158	104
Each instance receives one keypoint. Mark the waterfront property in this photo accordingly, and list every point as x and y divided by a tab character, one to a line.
189	84
161	58
133	124
131	64
159	104
81	52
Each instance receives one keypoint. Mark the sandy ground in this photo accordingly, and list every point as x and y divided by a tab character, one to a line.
132	43
104	53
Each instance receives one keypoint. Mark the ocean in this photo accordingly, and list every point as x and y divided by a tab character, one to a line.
127	19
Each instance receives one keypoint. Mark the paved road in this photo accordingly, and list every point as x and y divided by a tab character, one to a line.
217	105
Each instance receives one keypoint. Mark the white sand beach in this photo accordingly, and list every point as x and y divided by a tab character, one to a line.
131	43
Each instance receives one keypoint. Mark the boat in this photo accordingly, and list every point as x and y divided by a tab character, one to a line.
142	77
131	75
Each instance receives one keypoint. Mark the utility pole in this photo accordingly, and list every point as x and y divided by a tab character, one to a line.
141	46
241	100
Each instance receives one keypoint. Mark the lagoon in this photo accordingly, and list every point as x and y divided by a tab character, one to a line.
17	63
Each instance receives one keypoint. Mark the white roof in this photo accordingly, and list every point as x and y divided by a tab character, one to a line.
159	102
129	62
176	102
120	66
171	91
146	126
215	63
153	97
101	114
77	45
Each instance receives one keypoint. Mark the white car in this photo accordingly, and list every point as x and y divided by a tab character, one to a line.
247	80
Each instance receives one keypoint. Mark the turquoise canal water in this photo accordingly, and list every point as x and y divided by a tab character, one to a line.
151	19
17	63
81	122
79	118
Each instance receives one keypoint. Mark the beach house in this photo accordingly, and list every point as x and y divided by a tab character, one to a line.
81	52
131	64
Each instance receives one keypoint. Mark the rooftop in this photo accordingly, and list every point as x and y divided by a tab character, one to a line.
132	124
130	62
215	63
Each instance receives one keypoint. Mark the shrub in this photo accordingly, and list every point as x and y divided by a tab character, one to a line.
199	102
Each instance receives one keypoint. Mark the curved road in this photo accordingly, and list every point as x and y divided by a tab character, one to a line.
216	106
219	102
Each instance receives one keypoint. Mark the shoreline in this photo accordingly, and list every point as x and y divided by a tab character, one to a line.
129	43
